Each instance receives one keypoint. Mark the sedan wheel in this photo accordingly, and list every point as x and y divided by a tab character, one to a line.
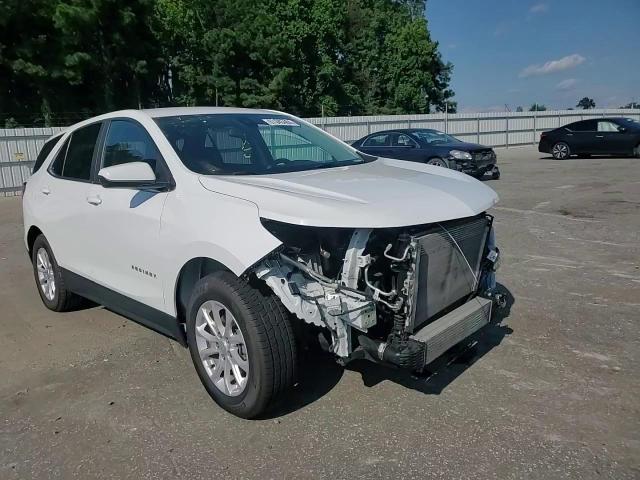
560	151
438	162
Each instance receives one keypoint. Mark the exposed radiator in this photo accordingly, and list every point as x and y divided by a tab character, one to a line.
447	264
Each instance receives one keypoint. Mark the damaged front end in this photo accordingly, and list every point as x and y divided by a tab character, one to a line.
397	295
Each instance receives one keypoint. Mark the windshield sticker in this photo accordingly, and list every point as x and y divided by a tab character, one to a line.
280	122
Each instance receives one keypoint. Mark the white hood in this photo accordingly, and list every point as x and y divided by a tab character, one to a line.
383	193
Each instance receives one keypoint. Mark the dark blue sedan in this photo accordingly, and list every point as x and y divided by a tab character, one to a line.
432	147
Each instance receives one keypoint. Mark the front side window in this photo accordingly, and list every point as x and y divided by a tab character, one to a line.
128	141
402	140
607	126
252	144
74	160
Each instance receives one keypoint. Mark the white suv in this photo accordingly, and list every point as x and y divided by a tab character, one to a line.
226	229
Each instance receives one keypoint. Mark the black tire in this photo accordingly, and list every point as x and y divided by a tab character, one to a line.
636	151
438	162
495	175
63	300
560	151
270	341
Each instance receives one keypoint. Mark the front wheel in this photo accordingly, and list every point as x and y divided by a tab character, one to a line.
438	162
241	343
561	151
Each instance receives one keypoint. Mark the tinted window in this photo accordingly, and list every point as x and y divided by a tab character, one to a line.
584	126
58	162
381	140
128	141
44	153
77	162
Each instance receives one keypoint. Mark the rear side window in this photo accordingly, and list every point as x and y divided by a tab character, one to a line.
75	157
381	140
584	126
44	153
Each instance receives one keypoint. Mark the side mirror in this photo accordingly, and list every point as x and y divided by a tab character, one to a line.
622	129
137	175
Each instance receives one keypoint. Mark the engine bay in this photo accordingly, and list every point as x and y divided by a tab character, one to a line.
374	289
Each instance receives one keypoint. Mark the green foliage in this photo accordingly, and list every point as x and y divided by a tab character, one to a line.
537	107
586	103
62	60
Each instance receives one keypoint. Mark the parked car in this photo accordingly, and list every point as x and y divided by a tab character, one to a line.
432	147
226	228
602	136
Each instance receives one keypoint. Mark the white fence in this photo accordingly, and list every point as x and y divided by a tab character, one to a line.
19	147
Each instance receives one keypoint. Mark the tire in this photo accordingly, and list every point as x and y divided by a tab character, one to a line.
49	281
438	162
251	337
561	151
636	151
495	175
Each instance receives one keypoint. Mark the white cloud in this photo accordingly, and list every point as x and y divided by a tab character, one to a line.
567	84
539	8
552	66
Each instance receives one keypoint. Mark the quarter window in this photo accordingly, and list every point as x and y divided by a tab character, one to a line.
44	153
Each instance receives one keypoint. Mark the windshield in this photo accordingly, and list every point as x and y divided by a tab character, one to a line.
434	136
252	144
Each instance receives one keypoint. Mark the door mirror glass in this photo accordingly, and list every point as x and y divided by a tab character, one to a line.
622	129
138	175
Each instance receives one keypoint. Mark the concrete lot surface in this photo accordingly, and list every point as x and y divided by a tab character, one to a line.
553	391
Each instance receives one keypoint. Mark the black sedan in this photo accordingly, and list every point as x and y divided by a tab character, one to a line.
602	136
431	147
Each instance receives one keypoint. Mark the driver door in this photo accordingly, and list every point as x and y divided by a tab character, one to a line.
125	223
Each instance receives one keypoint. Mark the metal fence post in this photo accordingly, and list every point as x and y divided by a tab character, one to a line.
368	127
535	127
478	128
506	131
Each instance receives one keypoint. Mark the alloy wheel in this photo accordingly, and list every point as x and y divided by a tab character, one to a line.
560	151
46	276
222	348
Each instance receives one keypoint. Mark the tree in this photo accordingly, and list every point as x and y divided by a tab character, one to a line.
586	103
519	109
537	107
634	105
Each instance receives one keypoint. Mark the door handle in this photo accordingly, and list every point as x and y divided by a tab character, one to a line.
599	136
95	200
45	190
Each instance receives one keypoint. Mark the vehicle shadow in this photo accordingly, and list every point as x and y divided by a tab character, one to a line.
319	372
449	366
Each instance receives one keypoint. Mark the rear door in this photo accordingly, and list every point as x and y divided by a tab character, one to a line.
377	144
581	136
63	210
124	225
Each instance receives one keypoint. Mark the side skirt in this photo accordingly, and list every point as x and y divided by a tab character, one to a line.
125	306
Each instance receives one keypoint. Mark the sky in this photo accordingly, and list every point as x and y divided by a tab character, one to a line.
553	52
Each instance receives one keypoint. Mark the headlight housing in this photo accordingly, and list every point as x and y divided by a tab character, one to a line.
460	155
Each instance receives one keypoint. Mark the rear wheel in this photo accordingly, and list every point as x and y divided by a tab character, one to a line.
438	162
48	276
241	343
561	151
636	151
